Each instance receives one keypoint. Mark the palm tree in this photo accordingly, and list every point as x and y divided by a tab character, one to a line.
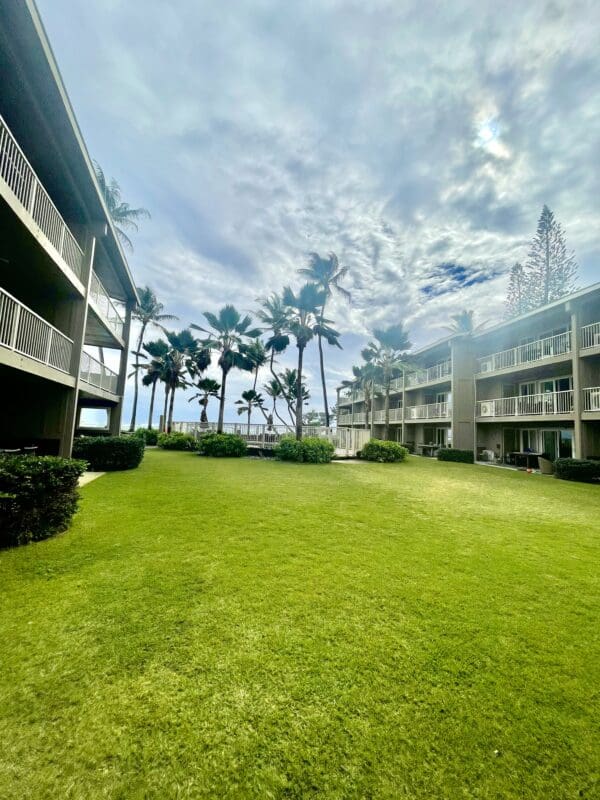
121	213
463	323
386	357
274	314
328	275
304	317
364	379
208	388
250	400
148	312
257	355
275	392
230	336
182	349
157	350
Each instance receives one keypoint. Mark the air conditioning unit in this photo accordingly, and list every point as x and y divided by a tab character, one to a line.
487	408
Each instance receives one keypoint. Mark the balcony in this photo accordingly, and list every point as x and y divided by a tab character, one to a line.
395	416
591	399
94	373
105	307
590	336
344	419
429	411
18	175
435	374
531	405
25	332
530	353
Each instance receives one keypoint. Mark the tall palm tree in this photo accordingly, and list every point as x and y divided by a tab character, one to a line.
364	379
275	392
251	400
122	214
182	348
148	312
386	357
257	355
304	317
157	350
464	323
274	314
207	388
229	335
328	275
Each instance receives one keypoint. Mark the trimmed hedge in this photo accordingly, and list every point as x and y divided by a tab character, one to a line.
384	452
410	446
109	453
311	450
451	454
38	497
177	441
150	436
222	445
577	469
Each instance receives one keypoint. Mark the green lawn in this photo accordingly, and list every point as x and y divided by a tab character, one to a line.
251	629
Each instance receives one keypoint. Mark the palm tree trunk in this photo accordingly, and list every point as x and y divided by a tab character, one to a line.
283	393
171	405
299	394
136	376
164	422
151	412
368	404
386	434
323	383
222	401
372	414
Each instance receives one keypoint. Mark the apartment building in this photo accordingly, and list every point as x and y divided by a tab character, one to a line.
530	384
66	292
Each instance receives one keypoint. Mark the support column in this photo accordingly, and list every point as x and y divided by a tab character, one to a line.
577	394
116	412
78	336
403	406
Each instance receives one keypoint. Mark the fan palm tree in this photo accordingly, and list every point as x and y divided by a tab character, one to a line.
207	388
328	275
121	213
157	350
386	357
148	312
250	400
229	335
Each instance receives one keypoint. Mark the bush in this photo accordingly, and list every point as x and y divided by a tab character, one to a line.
38	497
108	453
177	441
451	454
150	437
577	469
222	445
311	450
385	452
410	446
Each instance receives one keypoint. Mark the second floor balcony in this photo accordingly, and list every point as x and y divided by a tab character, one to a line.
436	373
590	336
531	353
34	202
98	375
428	411
591	399
531	405
395	416
105	307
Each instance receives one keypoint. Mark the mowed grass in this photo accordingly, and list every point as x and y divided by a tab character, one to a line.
252	629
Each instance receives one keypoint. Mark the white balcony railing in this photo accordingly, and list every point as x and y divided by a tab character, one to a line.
429	411
105	306
436	373
395	415
590	335
344	419
25	332
22	181
97	374
531	405
526	353
591	399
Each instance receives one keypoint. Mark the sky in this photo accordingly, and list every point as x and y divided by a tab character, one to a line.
416	140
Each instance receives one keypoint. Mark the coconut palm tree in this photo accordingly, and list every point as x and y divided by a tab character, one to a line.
121	213
229	335
257	355
251	400
183	347
386	357
274	314
275	392
157	350
304	316
364	379
207	388
328	275
149	312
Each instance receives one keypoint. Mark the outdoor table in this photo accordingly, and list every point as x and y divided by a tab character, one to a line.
428	447
526	460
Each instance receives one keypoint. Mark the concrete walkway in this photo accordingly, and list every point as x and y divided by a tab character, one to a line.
88	477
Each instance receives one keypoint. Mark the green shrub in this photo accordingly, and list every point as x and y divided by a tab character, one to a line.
38	497
450	454
388	452
177	441
222	445
410	446
311	450
150	436
109	453
577	469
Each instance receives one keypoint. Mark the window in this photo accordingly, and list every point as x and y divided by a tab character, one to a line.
529	440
